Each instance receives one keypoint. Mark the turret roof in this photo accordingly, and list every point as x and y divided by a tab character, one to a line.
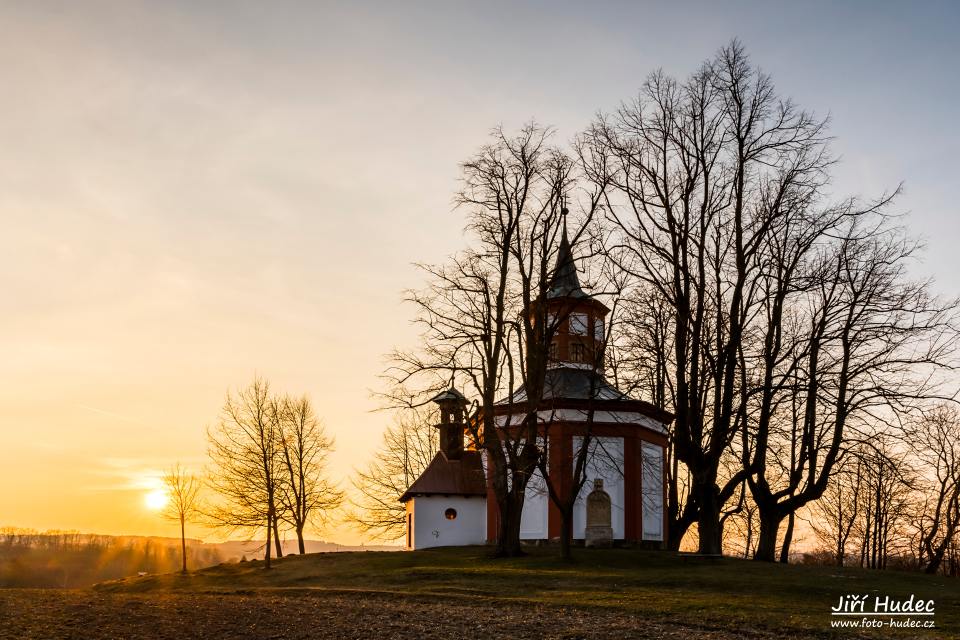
449	394
565	283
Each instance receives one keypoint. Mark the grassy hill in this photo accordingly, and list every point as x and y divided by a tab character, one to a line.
720	595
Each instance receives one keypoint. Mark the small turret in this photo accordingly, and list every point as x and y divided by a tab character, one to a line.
452	405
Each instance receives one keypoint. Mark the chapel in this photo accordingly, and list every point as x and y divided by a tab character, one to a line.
452	502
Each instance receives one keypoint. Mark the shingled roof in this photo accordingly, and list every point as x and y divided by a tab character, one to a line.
463	477
565	283
448	394
568	383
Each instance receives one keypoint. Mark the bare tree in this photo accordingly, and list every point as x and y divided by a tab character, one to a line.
936	444
887	493
407	449
740	523
245	450
305	494
483	312
835	514
790	317
866	344
183	503
691	159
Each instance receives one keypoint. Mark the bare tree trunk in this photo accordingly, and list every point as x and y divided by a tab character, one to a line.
934	565
767	538
266	554
276	536
508	540
566	535
865	542
787	539
183	544
708	516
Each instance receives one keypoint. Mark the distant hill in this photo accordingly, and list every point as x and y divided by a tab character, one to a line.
251	549
47	560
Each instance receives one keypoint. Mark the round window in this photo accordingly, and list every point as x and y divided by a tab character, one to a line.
450	514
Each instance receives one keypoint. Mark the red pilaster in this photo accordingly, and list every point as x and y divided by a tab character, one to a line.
561	473
632	495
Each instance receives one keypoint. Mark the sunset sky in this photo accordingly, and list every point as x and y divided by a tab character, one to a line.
195	192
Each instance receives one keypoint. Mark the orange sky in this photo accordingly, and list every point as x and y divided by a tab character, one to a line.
191	195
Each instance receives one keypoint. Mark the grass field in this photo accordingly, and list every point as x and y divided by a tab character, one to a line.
604	593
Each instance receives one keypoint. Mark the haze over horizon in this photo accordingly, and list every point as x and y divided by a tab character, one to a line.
195	194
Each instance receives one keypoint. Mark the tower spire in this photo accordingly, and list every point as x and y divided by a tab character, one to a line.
564	283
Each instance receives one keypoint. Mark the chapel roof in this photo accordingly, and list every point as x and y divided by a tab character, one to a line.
443	476
571	383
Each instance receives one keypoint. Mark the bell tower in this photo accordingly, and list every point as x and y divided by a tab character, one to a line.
452	405
577	318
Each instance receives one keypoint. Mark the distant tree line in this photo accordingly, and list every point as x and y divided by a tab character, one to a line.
894	502
69	560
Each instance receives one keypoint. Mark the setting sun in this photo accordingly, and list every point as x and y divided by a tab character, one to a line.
155	500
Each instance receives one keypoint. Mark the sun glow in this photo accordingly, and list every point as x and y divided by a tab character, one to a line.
155	500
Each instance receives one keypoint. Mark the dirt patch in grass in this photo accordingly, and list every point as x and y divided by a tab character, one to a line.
90	615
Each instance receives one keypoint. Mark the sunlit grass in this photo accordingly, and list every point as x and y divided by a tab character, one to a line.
727	593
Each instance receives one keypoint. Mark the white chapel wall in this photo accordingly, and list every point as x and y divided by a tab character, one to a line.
652	483
431	527
534	520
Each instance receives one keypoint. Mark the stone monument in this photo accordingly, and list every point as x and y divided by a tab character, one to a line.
599	533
